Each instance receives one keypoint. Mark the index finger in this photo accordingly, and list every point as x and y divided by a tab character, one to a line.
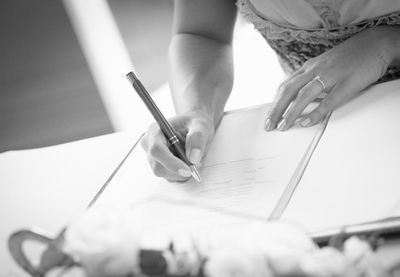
286	93
157	148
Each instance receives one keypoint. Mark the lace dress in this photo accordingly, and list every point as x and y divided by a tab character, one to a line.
294	46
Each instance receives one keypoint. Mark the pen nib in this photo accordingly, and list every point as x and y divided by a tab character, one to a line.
195	173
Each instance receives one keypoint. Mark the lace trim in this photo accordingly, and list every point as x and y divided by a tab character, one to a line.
329	16
324	36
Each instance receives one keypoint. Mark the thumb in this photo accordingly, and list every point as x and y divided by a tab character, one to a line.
197	140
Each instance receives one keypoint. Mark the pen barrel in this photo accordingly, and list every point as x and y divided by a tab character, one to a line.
175	145
178	149
151	105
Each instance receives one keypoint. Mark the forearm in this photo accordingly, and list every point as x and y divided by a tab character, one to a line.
201	74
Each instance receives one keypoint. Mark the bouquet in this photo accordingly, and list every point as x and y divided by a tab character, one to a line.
108	243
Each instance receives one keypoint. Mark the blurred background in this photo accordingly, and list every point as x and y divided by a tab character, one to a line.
48	92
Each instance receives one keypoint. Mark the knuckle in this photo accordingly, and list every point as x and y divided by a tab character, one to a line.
200	131
154	150
196	140
279	106
196	132
270	114
326	105
283	88
203	123
144	141
286	92
302	93
309	64
157	169
273	113
302	100
199	135
205	126
153	132
153	128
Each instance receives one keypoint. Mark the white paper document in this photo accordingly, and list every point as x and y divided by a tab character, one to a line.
246	169
245	172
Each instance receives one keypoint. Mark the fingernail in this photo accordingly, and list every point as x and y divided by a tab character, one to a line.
195	156
305	122
184	172
267	124
282	124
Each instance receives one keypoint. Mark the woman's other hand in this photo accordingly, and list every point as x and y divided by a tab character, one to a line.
341	73
195	129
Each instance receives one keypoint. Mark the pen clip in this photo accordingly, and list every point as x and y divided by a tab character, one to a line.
178	151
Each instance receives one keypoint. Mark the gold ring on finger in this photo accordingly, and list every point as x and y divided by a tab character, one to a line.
318	79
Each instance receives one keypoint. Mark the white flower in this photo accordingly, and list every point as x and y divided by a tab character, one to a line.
327	262
236	262
256	249
107	243
355	249
103	242
359	252
285	263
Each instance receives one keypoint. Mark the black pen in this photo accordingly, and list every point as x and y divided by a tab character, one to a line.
178	149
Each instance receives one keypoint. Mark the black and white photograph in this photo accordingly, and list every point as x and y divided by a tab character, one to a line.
200	138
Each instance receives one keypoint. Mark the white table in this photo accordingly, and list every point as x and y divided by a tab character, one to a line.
49	187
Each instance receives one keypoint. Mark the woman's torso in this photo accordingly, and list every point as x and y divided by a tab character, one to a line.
301	29
312	14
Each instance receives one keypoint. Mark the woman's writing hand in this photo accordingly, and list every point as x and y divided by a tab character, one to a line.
341	72
195	129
